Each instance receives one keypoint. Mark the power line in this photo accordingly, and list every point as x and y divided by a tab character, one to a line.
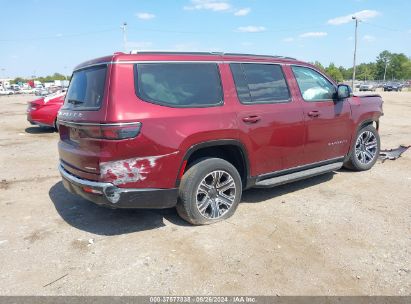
383	27
229	31
125	27
58	36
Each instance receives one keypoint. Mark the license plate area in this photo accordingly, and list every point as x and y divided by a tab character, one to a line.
74	135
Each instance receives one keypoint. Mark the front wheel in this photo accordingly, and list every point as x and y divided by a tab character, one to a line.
210	191
365	150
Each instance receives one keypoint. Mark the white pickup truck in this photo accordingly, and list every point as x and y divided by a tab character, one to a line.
4	91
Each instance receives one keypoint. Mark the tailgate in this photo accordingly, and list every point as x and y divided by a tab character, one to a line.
83	111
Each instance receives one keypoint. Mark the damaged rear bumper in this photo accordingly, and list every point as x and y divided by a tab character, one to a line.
109	195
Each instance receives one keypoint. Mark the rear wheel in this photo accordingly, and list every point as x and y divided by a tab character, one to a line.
210	191
365	149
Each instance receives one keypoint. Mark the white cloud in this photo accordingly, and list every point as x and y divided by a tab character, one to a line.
288	39
145	16
313	34
362	15
369	38
213	5
251	29
242	12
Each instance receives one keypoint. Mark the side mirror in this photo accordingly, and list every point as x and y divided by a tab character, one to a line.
343	91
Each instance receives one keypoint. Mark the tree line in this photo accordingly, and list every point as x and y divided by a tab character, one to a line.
50	78
393	65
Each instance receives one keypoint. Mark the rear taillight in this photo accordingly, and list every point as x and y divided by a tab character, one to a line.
32	107
110	131
116	131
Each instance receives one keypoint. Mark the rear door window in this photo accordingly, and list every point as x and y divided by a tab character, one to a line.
260	83
86	90
179	84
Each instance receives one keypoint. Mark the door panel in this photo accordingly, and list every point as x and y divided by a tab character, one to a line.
272	129
327	134
327	121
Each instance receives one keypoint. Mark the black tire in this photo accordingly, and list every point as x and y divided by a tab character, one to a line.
188	192
362	161
56	126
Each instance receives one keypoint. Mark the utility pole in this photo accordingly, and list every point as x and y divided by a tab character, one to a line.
385	69
355	52
124	29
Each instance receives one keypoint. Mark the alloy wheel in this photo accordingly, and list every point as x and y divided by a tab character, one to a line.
366	147
215	194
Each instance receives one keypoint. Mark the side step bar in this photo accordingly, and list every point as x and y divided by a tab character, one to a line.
296	176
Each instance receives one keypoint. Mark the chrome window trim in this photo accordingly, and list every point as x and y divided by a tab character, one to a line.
119	124
175	61
281	101
318	71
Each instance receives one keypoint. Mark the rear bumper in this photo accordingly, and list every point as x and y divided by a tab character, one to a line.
107	194
39	122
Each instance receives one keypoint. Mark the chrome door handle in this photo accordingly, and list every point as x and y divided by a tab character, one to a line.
313	113
252	119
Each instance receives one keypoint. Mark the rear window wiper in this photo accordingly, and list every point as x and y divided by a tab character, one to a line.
75	101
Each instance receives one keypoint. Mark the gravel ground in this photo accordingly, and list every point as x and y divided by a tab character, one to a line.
342	233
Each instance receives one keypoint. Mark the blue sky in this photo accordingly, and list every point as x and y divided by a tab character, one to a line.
40	37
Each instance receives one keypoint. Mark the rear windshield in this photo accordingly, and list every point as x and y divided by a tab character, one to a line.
86	89
179	84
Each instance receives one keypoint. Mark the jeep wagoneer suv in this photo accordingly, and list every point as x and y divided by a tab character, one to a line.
193	130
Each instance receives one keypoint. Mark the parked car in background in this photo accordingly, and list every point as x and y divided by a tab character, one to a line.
4	91
41	92
27	90
43	111
368	87
392	86
192	130
17	90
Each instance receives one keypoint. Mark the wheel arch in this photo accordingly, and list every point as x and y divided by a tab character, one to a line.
374	122
370	121
230	150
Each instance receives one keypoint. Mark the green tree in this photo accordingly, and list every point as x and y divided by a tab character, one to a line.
395	66
381	63
366	71
344	73
19	79
334	72
319	65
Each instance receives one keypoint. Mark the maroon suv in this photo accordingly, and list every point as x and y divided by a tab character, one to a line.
193	130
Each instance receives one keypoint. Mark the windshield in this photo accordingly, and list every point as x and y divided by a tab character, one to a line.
86	88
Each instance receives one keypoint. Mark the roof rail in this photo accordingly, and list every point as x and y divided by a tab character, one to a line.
258	55
209	53
175	52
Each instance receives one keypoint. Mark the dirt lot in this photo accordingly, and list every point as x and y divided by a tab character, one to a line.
343	233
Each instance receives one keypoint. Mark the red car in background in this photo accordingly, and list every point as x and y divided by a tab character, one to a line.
43	111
